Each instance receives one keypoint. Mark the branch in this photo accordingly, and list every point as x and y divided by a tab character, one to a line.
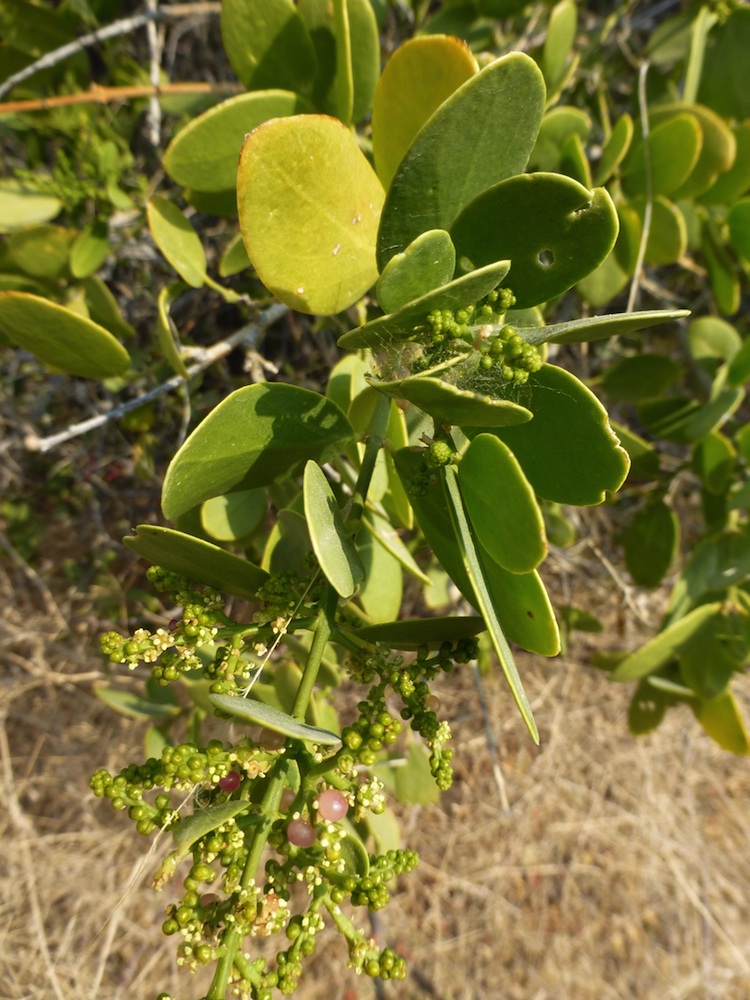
103	95
122	27
247	335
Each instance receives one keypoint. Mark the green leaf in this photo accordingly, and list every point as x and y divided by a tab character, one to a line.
715	460
462	150
60	338
381	528
203	155
419	76
674	147
723	278
641	376
42	251
331	540
258	714
381	593
733	183
501	506
362	46
738	371
722	721
485	601
561	34
166	331
713	654
197	560
715	565
235	516
427	263
647	708
309	206
416	632
257	435
717	151
725	81
24	206
667	237
568	451
32	29
650	543
288	545
130	704
554	231
399	325
413	781
267	44
103	308
235	258
710	337
663	648
739	228
615	150
558	125
89	249
177	240
354	859
191	829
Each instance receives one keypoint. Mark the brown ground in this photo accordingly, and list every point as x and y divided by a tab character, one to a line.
621	869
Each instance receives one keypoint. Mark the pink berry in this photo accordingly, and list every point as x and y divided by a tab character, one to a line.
300	833
332	805
230	782
287	797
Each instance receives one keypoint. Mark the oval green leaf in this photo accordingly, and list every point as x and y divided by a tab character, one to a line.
203	156
256	713
267	44
420	75
234	516
674	147
309	205
739	228
381	592
197	560
482	134
89	249
331	541
615	149
427	263
258	434
41	251
553	230
568	451
177	240
722	721
501	505
60	338
21	206
650	542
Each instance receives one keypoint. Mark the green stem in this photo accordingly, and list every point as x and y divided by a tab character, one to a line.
323	629
232	940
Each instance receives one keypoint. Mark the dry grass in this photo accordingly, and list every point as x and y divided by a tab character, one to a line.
620	870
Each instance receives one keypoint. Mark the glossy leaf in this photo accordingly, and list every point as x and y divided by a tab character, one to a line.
568	451
733	183
717	151
166	331
484	599
722	721
674	147
267	44
501	506
660	650
203	155
234	516
399	325
416	632
650	542
177	240
554	231
710	337
257	435
667	236
309	206
60	338
197	560
427	263
235	258
419	76
462	150
256	713
331	540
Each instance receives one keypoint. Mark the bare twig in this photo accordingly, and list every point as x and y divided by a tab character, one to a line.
155	37
121	27
105	95
248	336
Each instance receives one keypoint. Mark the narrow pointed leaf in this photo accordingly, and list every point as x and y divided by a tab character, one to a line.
578	331
432	632
332	543
665	646
166	331
256	713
